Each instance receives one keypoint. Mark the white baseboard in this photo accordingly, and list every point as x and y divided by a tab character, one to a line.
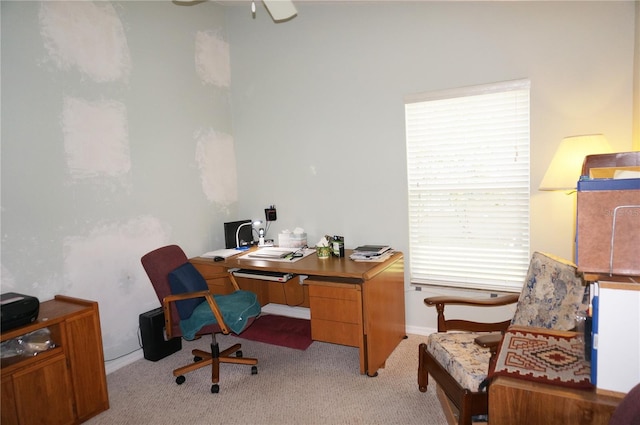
285	310
419	330
113	365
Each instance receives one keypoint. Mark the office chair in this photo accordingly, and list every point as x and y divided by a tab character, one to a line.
191	310
459	361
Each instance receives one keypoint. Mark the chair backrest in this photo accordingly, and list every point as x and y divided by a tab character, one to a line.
553	293
158	264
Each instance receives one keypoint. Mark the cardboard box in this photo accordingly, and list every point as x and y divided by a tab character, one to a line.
608	226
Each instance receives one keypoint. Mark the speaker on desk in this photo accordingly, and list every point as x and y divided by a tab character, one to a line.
155	345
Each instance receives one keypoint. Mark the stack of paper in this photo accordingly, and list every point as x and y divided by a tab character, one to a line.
375	253
224	253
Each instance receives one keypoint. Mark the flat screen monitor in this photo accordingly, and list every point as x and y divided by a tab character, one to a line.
245	236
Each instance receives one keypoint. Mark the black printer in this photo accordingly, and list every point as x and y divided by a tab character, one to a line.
17	310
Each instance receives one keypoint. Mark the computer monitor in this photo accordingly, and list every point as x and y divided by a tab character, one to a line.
245	236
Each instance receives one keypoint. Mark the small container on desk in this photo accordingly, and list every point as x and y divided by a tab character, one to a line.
323	252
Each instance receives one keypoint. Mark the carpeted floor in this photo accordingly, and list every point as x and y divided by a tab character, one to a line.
320	385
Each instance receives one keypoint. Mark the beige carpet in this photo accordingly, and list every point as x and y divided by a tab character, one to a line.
321	385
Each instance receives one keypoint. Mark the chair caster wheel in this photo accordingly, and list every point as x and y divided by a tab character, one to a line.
180	380
239	353
215	389
196	359
254	370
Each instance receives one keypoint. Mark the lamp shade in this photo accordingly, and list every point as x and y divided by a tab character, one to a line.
564	171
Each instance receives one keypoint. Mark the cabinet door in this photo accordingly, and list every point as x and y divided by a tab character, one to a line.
44	393
8	414
87	364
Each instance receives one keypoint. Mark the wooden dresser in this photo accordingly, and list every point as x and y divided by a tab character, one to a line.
516	401
65	384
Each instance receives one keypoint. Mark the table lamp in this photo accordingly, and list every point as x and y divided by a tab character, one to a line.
564	171
248	223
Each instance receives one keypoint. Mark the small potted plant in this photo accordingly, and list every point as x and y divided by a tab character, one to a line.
323	249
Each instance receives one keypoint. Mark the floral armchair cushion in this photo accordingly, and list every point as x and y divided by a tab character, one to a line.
552	295
461	357
550	298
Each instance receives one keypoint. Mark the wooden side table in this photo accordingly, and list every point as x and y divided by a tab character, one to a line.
517	401
65	384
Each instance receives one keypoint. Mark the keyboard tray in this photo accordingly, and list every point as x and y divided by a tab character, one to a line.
263	275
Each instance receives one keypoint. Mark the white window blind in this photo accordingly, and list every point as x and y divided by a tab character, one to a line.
468	182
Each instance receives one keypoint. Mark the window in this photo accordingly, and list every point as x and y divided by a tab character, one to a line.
468	182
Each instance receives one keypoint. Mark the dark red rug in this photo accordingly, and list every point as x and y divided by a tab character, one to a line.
280	330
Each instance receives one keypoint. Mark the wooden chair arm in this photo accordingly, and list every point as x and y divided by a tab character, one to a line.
479	302
166	306
444	325
184	296
490	341
232	278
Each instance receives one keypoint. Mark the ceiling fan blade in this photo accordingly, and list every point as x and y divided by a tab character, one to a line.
280	10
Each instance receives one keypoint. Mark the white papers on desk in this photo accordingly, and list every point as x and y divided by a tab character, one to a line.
372	253
277	254
224	253
373	258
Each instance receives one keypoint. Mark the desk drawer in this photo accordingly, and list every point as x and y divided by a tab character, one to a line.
336	332
336	313
335	310
333	290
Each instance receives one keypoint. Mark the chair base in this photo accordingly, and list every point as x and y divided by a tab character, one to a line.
467	402
214	358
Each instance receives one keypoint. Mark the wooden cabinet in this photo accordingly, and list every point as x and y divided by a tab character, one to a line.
516	401
65	384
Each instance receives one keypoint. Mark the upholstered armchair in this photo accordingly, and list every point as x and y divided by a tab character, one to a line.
458	356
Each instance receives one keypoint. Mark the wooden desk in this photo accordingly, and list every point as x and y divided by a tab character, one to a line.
359	304
516	401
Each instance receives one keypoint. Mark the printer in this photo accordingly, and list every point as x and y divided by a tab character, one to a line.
17	310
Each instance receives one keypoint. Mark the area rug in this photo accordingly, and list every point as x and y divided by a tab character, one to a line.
285	331
543	357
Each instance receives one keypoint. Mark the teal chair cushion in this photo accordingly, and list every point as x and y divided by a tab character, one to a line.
237	308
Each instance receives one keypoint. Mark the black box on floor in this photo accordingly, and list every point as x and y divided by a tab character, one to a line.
155	345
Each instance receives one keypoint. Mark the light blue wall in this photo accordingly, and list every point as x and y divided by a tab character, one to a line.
318	103
314	115
77	222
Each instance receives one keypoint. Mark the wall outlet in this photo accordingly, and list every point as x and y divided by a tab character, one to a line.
270	213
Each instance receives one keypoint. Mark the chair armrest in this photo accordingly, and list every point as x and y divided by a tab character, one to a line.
185	296
490	341
478	302
166	303
444	325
